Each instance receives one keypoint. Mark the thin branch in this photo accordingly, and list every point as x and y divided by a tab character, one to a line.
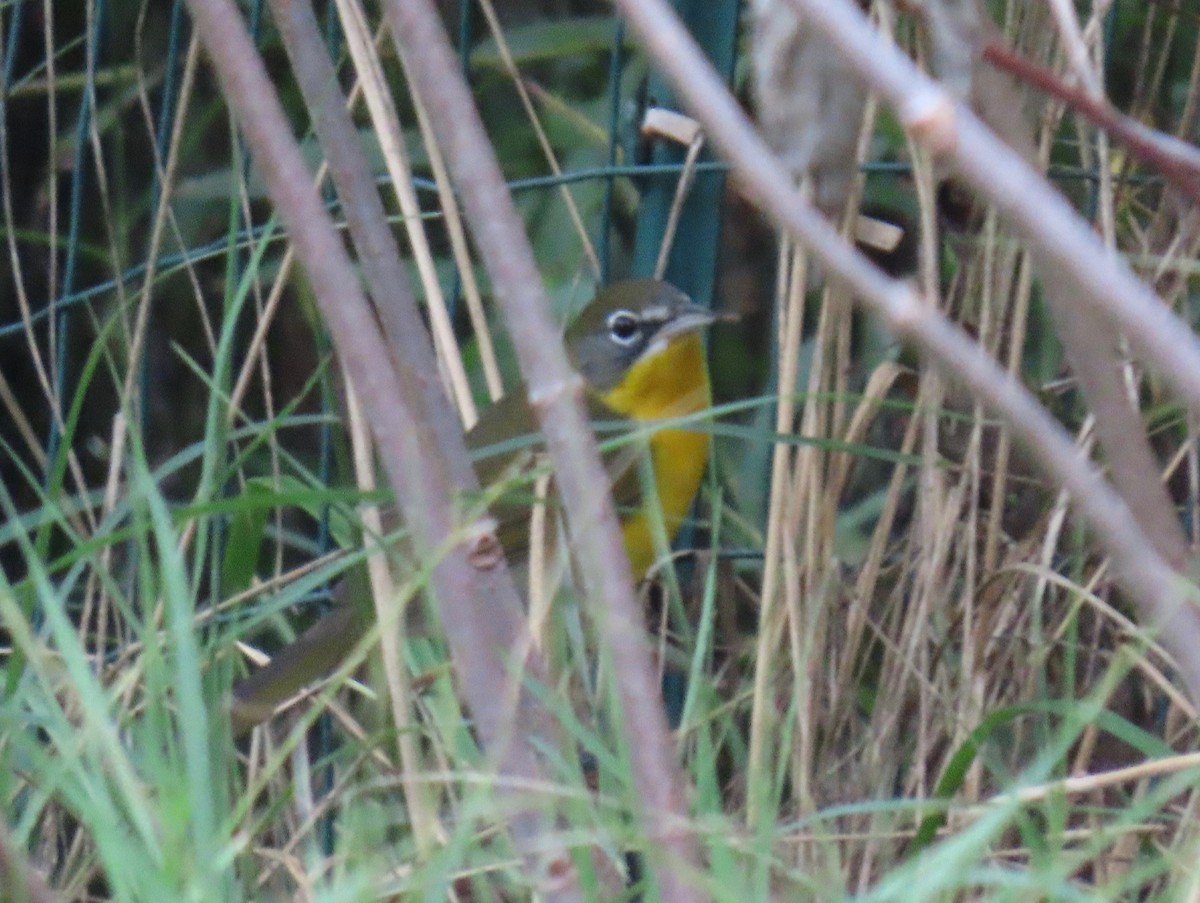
1091	346
1164	598
555	394
416	431
381	261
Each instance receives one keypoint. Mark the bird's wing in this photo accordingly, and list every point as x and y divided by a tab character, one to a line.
507	447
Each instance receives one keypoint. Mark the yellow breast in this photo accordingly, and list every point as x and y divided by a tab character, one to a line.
670	383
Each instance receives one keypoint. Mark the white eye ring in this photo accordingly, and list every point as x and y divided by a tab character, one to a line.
623	327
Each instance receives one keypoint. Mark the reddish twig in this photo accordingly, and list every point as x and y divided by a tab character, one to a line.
1178	161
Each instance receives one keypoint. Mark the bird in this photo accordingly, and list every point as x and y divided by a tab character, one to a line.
639	348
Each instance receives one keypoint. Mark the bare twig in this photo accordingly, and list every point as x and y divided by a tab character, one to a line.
555	395
1164	598
415	429
1088	783
368	225
1092	352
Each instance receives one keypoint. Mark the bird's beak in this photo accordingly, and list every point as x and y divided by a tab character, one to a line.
689	318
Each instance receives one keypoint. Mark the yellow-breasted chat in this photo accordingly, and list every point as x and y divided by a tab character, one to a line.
638	346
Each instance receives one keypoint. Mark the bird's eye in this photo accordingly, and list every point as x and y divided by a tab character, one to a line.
623	327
